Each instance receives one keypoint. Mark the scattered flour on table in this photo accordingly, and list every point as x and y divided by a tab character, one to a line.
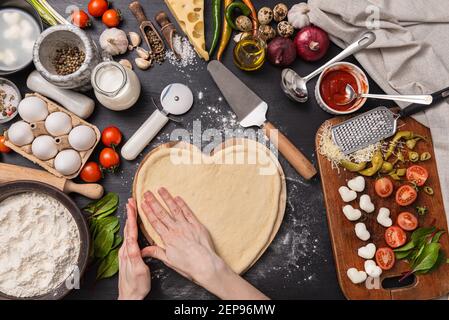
39	244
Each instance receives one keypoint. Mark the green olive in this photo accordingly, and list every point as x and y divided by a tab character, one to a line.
413	156
428	190
425	156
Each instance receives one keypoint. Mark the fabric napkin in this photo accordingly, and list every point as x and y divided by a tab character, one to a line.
410	54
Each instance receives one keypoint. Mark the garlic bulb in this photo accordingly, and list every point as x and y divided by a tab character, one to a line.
298	15
114	41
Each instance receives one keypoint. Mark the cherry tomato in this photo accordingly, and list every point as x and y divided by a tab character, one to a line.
385	258
3	147
91	172
109	159
406	195
407	221
97	8
395	236
417	175
111	137
384	187
80	19
112	18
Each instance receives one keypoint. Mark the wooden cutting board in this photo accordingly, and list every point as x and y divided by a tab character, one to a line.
345	243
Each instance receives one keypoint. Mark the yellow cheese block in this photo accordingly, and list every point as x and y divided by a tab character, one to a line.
190	17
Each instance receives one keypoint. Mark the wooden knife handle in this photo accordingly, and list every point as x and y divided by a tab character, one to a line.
295	157
89	190
137	10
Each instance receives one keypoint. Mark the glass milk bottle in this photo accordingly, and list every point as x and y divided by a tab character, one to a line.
116	87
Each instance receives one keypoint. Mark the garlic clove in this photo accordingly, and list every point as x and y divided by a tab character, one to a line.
126	63
134	39
142	63
142	53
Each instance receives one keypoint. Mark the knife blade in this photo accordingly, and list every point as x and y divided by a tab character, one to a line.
251	111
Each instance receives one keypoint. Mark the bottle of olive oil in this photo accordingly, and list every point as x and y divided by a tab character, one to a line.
250	53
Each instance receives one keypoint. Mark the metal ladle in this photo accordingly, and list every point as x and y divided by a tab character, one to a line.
351	95
295	86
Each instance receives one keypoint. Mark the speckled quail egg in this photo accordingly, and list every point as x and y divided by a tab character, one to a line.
58	124
20	133
243	23
44	147
33	109
285	29
82	138
265	15
280	12
67	162
267	32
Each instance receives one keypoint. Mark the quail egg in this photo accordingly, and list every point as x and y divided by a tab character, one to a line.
285	29
280	12
20	133
82	138
267	32
265	15
243	23
67	162
44	147
33	109
58	124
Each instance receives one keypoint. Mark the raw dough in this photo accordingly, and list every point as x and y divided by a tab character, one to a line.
237	204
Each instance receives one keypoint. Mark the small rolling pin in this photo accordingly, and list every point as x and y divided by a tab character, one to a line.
9	172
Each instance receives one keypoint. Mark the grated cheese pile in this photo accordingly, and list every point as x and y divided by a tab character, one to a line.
333	153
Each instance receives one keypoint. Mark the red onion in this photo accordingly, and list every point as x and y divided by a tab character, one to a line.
311	43
281	51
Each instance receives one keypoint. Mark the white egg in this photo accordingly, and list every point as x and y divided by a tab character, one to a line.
44	147
33	109
82	138
20	133
67	162
58	124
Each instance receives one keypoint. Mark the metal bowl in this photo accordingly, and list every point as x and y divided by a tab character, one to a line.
13	188
25	6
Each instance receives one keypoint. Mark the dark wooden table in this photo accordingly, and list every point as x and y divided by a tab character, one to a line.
299	263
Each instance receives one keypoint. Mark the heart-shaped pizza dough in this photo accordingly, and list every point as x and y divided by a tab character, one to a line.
238	193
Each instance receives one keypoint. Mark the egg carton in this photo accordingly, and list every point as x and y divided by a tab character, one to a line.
38	129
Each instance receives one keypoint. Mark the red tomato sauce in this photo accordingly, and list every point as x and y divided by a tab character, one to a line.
333	87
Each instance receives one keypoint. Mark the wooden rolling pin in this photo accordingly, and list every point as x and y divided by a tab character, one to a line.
9	173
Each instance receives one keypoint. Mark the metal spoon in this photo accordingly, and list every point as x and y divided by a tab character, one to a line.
295	86
351	95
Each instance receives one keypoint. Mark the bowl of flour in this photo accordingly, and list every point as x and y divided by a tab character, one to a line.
44	242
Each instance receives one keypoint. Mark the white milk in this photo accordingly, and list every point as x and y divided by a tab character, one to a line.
117	88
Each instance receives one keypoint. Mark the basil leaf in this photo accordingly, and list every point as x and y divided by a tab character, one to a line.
409	246
402	255
437	236
105	213
108	266
103	205
427	258
103	243
420	234
109	223
118	240
439	262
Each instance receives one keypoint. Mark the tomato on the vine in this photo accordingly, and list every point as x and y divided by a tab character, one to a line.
97	8
111	137
91	172
109	159
3	147
80	19
111	18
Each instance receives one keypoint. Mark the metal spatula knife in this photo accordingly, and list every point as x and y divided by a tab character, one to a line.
251	111
375	125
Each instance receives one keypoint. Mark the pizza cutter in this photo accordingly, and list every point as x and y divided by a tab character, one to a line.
176	99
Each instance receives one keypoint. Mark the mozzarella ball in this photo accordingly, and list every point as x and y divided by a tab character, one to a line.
44	147
82	138
33	109
67	162
58	124
20	133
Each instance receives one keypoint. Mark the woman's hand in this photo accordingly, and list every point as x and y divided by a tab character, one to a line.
189	249
188	246
134	275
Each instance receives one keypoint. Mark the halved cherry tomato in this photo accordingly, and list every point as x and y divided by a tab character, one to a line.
385	258
112	18
96	8
3	147
417	175
91	172
111	137
406	195
384	187
109	159
395	236
80	19
407	221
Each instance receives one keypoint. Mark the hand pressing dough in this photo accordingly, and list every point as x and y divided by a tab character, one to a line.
236	203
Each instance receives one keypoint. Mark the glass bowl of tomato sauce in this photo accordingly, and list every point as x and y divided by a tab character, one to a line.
330	90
